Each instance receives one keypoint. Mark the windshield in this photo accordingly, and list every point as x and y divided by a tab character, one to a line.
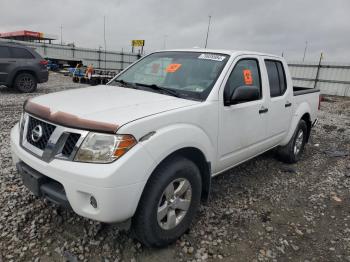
189	75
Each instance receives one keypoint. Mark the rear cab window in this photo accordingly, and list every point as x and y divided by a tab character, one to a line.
277	77
17	52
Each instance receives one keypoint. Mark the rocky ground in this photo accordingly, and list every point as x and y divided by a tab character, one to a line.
263	210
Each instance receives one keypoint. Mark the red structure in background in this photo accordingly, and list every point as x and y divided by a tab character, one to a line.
29	36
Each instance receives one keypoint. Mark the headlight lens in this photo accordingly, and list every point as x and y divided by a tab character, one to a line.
104	148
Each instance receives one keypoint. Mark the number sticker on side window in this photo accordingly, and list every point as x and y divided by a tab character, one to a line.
247	76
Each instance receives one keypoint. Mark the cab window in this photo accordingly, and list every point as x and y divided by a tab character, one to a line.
245	73
277	78
4	52
21	53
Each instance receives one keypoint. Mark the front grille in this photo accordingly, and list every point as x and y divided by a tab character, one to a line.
70	144
47	130
54	141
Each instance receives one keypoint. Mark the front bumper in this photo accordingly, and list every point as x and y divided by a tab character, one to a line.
42	186
117	187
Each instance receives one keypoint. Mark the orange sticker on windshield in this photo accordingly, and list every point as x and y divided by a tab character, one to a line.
172	68
247	75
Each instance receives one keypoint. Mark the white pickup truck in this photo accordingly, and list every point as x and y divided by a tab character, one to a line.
146	146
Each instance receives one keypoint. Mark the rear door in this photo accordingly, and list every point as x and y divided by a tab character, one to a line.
5	64
280	96
242	127
22	56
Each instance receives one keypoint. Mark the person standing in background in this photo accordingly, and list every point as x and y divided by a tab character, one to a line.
89	71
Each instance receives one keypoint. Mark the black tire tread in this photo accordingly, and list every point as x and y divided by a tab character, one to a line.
140	222
15	83
286	153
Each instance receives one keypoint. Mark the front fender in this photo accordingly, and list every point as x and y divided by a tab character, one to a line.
172	138
302	109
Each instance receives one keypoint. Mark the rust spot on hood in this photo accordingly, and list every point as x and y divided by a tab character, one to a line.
68	120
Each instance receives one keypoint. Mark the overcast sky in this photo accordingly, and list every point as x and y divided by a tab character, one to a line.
272	26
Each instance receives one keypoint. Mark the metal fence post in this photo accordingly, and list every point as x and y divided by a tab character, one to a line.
99	57
44	46
318	70
122	60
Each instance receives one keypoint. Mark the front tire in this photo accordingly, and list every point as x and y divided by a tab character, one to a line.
25	83
291	153
169	203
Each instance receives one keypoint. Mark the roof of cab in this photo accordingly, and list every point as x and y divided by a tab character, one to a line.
219	51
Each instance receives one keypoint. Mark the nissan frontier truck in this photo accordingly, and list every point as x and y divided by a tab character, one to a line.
146	146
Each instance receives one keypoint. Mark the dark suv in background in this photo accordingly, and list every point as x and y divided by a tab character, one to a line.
21	67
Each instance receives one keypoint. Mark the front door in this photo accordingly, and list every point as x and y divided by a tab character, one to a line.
242	126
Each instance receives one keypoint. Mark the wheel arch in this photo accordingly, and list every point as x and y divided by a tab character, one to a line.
198	158
302	113
307	118
21	71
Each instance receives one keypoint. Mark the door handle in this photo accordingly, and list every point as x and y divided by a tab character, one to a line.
288	104
263	110
11	61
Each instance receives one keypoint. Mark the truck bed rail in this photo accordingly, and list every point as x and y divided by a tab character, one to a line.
298	90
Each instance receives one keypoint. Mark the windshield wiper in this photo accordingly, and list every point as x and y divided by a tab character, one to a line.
125	84
156	87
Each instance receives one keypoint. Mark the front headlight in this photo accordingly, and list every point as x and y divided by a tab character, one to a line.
104	148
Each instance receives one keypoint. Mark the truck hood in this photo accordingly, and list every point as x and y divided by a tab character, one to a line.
110	104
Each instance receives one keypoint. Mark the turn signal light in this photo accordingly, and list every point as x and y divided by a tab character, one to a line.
124	145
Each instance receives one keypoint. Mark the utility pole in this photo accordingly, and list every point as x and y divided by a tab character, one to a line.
206	39
318	70
104	37
305	50
61	27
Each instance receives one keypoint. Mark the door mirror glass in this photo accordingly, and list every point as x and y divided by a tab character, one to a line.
244	94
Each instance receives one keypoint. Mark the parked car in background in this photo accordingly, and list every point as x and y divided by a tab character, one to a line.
21	67
146	145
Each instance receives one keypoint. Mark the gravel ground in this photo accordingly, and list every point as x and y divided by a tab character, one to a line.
263	210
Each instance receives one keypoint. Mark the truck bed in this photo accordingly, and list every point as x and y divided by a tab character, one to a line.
308	96
298	90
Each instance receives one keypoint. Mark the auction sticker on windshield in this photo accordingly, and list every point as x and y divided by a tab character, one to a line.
172	68
212	57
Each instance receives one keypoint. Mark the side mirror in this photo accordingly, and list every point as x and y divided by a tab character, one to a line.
244	94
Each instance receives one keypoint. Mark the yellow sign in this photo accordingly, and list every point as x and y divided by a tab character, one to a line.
138	42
